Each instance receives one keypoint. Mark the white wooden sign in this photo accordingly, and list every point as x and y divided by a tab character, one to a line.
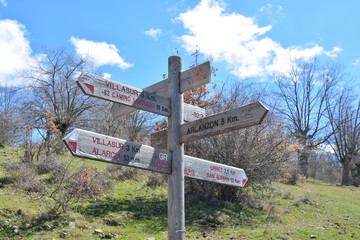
195	77
191	112
120	93
214	172
238	118
86	144
189	79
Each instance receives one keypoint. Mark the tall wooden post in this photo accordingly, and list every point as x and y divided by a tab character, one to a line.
176	199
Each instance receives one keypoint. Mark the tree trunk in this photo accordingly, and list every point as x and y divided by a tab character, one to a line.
304	162
356	175
345	181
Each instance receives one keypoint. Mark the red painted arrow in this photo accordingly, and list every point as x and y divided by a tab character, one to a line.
244	181
73	146
90	87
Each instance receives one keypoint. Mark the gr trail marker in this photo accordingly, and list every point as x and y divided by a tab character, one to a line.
99	87
104	148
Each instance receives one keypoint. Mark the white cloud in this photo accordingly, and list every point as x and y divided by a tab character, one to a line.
99	53
356	62
15	52
334	52
4	3
106	75
153	33
266	7
239	41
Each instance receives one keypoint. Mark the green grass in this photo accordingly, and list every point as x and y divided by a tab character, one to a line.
133	211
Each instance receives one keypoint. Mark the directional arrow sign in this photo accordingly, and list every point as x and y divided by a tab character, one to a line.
195	77
214	172
191	112
189	79
238	118
120	93
99	147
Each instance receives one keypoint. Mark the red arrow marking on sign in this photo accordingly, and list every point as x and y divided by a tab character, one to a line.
73	146
244	181
90	87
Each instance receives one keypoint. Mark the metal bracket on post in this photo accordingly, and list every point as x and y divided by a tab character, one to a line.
176	198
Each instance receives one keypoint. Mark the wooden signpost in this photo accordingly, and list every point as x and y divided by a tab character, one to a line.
165	98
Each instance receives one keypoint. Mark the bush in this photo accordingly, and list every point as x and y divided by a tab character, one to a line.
156	180
70	188
120	173
21	174
48	164
64	185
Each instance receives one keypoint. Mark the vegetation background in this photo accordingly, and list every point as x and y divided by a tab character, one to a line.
302	162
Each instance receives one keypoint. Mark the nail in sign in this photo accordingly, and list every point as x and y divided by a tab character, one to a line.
86	144
120	93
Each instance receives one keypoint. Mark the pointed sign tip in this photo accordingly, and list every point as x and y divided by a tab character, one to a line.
90	87
73	146
244	181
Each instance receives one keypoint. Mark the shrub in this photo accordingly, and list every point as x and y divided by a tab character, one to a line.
70	188
64	184
155	180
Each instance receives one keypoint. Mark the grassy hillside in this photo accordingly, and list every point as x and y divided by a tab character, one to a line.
311	210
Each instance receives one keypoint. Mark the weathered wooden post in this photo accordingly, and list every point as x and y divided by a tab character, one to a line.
176	199
165	98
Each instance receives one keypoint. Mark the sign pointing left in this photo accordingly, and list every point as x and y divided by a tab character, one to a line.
103	148
99	87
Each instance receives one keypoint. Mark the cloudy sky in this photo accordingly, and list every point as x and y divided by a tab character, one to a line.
130	41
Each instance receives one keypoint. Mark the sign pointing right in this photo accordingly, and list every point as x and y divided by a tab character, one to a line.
237	118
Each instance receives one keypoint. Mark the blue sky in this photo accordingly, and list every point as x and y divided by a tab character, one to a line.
130	41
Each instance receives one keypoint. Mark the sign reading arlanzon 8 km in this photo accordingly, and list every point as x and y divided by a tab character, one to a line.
120	93
103	148
238	118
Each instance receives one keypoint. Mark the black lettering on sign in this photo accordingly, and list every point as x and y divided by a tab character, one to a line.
135	149
202	127
232	119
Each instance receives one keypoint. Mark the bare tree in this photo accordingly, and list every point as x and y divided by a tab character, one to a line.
344	119
261	150
8	120
135	126
301	95
56	102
